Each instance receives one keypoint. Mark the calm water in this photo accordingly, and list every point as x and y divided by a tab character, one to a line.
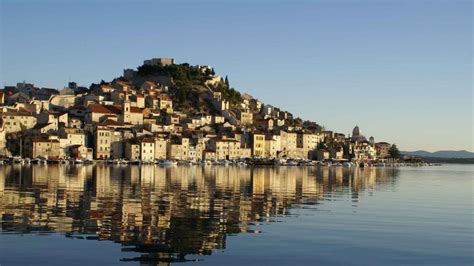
101	215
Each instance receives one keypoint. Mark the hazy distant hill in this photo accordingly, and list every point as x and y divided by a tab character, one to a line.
441	154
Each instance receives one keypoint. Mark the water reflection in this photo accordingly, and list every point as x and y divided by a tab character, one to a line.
167	213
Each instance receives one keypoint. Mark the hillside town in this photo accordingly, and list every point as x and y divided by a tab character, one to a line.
166	112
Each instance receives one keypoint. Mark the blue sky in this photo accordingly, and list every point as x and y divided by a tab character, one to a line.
401	70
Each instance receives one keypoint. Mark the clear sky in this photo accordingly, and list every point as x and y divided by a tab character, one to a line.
401	70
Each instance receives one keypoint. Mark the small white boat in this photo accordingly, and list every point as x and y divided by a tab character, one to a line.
17	159
292	163
168	163
347	164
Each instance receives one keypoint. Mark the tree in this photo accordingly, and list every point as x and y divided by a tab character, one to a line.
394	152
227	82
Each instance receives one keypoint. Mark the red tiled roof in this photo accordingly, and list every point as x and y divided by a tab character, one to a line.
110	122
134	109
151	83
164	97
147	140
17	113
105	109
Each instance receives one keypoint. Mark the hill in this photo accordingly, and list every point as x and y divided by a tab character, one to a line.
463	154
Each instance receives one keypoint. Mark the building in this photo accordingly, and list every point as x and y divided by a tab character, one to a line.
147	149
132	150
102	143
307	143
16	121
54	118
288	144
245	117
3	140
45	148
270	147
225	148
69	137
258	144
161	149
131	114
159	61
98	113
382	150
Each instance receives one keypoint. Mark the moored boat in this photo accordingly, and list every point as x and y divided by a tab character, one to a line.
168	163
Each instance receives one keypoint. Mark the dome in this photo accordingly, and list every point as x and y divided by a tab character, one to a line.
355	132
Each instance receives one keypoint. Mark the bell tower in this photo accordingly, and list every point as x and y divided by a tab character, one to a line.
126	109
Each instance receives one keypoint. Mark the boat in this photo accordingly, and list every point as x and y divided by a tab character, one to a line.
168	163
261	162
327	163
292	163
347	164
123	161
38	160
16	160
136	162
53	160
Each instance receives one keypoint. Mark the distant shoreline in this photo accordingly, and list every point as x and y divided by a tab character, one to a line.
448	160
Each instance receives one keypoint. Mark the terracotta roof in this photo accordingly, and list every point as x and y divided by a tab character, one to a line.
134	109
122	83
147	140
110	122
105	109
164	97
151	83
17	113
44	140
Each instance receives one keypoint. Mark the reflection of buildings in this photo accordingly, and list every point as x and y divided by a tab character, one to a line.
166	213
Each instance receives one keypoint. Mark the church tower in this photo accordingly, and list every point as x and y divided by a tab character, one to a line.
126	109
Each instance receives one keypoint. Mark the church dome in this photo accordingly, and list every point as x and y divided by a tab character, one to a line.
355	132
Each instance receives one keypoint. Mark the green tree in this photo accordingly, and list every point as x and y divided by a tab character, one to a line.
394	152
227	82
